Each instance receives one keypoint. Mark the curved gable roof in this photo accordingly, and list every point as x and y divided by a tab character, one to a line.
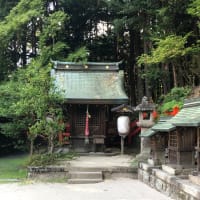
98	83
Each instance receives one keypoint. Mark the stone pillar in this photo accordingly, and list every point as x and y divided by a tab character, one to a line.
146	121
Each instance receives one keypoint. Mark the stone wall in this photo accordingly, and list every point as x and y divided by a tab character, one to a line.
176	187
62	172
48	173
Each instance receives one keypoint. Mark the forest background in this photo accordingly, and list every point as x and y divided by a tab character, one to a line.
157	41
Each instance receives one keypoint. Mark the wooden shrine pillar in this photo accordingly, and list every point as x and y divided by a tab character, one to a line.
197	148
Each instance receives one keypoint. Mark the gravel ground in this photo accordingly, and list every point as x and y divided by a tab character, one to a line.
120	189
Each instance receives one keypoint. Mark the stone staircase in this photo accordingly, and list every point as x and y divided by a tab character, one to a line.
85	175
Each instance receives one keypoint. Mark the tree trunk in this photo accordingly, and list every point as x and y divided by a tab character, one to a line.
34	40
132	69
147	84
165	79
31	147
174	75
139	82
51	144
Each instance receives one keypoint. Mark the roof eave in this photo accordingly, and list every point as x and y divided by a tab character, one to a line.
187	124
96	101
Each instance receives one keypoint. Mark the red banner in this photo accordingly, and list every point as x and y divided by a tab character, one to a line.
87	125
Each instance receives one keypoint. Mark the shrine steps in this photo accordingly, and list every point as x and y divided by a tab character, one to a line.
83	177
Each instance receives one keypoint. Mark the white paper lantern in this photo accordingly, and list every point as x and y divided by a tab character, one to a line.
123	125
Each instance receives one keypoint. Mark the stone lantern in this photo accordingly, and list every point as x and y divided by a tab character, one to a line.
146	121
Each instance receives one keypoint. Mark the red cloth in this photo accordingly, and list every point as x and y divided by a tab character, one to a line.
144	115
87	125
176	109
155	114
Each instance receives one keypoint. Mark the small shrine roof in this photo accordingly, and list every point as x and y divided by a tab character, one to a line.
148	133
162	126
90	83
189	115
122	108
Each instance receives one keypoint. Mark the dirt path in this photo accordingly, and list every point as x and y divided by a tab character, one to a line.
120	189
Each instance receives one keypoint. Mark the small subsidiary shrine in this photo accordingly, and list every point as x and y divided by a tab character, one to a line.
90	90
181	135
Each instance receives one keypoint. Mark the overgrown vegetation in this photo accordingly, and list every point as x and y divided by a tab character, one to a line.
15	167
29	99
175	98
49	159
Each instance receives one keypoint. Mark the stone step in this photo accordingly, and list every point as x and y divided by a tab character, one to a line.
177	169
189	188
85	175
85	169
84	181
195	179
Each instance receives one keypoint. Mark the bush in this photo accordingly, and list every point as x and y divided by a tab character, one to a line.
177	94
174	99
49	159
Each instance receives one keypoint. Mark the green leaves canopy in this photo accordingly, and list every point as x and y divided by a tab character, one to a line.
167	49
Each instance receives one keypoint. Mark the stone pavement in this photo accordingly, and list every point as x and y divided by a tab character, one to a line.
95	161
120	189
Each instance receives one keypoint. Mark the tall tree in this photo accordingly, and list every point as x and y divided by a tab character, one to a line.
134	22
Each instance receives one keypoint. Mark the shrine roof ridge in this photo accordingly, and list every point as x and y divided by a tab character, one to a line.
191	102
86	66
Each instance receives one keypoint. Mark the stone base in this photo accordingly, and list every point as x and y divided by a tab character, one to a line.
195	179
143	156
154	162
177	169
64	172
169	184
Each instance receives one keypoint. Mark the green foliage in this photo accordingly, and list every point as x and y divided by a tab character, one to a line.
80	55
29	96
27	100
168	106
174	98
194	8
177	94
50	38
167	49
6	6
19	16
49	159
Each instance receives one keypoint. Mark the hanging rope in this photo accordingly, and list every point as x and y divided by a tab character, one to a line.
87	127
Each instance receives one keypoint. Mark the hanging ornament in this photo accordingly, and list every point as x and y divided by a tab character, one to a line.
87	127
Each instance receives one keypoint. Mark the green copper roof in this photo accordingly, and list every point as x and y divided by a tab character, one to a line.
188	116
89	83
163	127
148	133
